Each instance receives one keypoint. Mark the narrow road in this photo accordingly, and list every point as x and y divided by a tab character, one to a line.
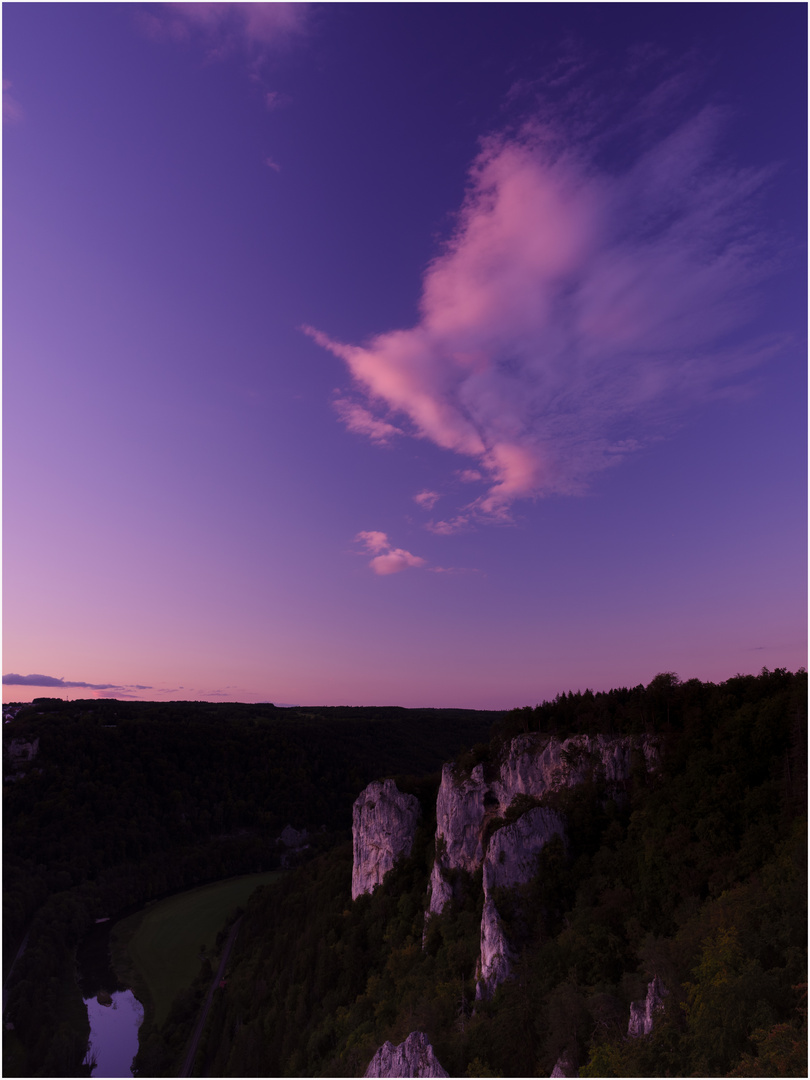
226	952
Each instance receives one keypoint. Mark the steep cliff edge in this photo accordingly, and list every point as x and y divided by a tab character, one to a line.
642	1013
468	807
534	765
495	960
414	1057
383	827
511	856
511	859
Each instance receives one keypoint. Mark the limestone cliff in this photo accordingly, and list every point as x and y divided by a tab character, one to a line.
414	1057
642	1012
495	961
383	826
467	807
511	859
534	765
565	1066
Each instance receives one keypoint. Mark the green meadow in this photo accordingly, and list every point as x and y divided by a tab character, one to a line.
163	942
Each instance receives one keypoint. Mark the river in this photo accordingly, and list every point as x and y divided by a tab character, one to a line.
115	1014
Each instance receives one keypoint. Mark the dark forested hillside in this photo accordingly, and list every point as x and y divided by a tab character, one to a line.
694	873
123	802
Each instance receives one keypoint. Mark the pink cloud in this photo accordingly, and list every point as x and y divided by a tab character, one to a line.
359	420
448	528
426	499
575	311
387	560
272	165
373	541
392	562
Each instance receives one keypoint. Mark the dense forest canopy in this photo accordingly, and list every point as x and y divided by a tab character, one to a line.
694	873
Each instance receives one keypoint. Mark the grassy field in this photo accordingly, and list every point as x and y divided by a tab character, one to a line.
163	941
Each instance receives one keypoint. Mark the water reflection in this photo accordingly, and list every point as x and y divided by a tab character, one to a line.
114	1022
115	1014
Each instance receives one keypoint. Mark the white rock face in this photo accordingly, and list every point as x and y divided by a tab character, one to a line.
383	827
535	764
642	1012
414	1057
511	857
565	1067
495	961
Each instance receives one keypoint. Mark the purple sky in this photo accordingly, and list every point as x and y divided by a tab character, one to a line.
431	354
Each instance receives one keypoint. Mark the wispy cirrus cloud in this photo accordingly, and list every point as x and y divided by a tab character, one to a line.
579	308
255	29
361	421
387	559
454	570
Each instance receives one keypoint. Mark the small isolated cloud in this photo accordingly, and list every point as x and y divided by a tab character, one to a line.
12	111
579	309
470	476
63	684
274	165
387	559
427	499
362	422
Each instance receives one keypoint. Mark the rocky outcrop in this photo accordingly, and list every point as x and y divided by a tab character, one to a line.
414	1057
383	827
470	833
642	1012
511	859
495	961
23	749
534	765
565	1067
468	807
